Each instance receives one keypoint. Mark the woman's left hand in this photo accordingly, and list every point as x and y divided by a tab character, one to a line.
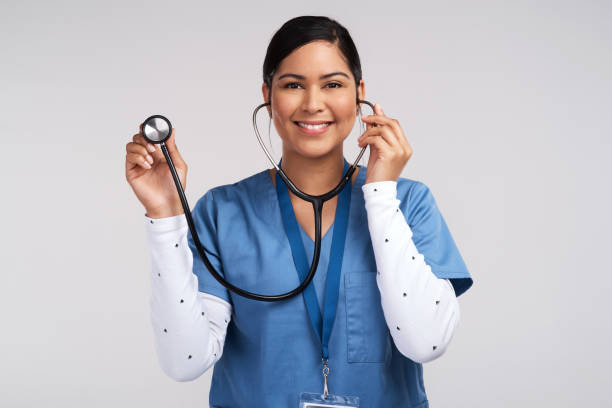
389	149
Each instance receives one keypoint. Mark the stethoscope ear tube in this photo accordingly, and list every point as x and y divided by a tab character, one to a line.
154	129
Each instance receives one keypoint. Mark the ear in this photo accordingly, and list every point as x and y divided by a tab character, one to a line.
360	92
266	97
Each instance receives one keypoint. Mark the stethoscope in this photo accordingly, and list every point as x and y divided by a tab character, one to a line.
156	129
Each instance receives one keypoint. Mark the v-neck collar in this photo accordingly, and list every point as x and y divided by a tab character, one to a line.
273	195
310	240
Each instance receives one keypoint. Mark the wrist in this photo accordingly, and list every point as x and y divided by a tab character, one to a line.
368	181
164	212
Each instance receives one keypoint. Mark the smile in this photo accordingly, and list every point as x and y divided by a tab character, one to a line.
309	126
313	128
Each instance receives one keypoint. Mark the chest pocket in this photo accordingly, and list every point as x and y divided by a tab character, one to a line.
367	335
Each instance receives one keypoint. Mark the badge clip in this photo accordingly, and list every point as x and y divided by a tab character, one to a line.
325	374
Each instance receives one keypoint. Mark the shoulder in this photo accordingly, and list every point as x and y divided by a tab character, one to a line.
247	185
245	189
408	189
416	199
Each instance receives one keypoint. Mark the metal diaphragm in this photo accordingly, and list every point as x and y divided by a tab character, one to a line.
156	129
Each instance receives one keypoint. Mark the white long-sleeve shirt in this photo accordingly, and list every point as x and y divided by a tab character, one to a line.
421	310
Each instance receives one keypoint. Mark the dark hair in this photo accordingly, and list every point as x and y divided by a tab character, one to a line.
302	30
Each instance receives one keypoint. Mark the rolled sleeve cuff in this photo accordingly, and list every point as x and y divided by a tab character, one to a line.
166	224
380	189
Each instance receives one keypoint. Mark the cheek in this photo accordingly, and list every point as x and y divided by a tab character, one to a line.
280	117
346	128
346	109
283	112
346	115
283	125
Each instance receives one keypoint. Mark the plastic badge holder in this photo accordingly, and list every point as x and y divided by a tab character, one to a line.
313	400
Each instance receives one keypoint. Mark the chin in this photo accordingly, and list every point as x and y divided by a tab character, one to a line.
314	149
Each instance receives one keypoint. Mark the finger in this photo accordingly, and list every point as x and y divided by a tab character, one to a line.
368	126
379	114
139	138
378	142
385	132
139	149
378	110
137	159
380	120
395	125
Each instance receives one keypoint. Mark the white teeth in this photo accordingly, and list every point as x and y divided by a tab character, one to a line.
307	126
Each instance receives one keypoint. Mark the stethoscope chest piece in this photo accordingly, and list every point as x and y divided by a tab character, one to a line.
156	129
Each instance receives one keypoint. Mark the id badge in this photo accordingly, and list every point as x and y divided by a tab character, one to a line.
313	400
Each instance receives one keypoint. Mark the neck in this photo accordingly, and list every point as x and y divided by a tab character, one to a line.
314	176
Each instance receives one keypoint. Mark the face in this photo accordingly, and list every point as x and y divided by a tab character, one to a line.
313	100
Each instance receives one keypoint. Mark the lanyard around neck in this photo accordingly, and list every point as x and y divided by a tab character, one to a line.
322	325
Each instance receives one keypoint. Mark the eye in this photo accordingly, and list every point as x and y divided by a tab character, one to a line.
290	85
335	83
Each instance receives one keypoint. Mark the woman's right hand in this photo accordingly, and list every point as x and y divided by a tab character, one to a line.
149	176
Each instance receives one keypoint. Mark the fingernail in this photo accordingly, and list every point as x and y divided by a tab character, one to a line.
149	159
147	165
150	147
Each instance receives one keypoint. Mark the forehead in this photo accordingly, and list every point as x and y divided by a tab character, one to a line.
314	59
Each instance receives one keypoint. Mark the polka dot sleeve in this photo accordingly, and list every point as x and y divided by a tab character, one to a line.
189	326
421	310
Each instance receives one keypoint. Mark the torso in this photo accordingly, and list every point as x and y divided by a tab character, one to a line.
304	213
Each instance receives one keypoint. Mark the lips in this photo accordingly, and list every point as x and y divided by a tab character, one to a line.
313	127
313	122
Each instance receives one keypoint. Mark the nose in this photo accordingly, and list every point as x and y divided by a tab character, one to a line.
313	100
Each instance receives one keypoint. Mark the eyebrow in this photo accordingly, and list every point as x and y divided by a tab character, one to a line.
321	77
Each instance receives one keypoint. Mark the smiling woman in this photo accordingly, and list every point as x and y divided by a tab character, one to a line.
383	300
313	93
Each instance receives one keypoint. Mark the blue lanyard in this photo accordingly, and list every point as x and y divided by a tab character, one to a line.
321	325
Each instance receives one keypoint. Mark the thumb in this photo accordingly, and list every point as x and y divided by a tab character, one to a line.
378	109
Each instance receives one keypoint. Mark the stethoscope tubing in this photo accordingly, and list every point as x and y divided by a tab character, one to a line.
316	201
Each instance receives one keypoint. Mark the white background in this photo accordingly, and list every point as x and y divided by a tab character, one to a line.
506	105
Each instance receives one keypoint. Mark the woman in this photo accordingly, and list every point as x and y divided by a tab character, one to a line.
400	270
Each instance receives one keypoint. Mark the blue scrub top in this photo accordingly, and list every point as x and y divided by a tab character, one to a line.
271	352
